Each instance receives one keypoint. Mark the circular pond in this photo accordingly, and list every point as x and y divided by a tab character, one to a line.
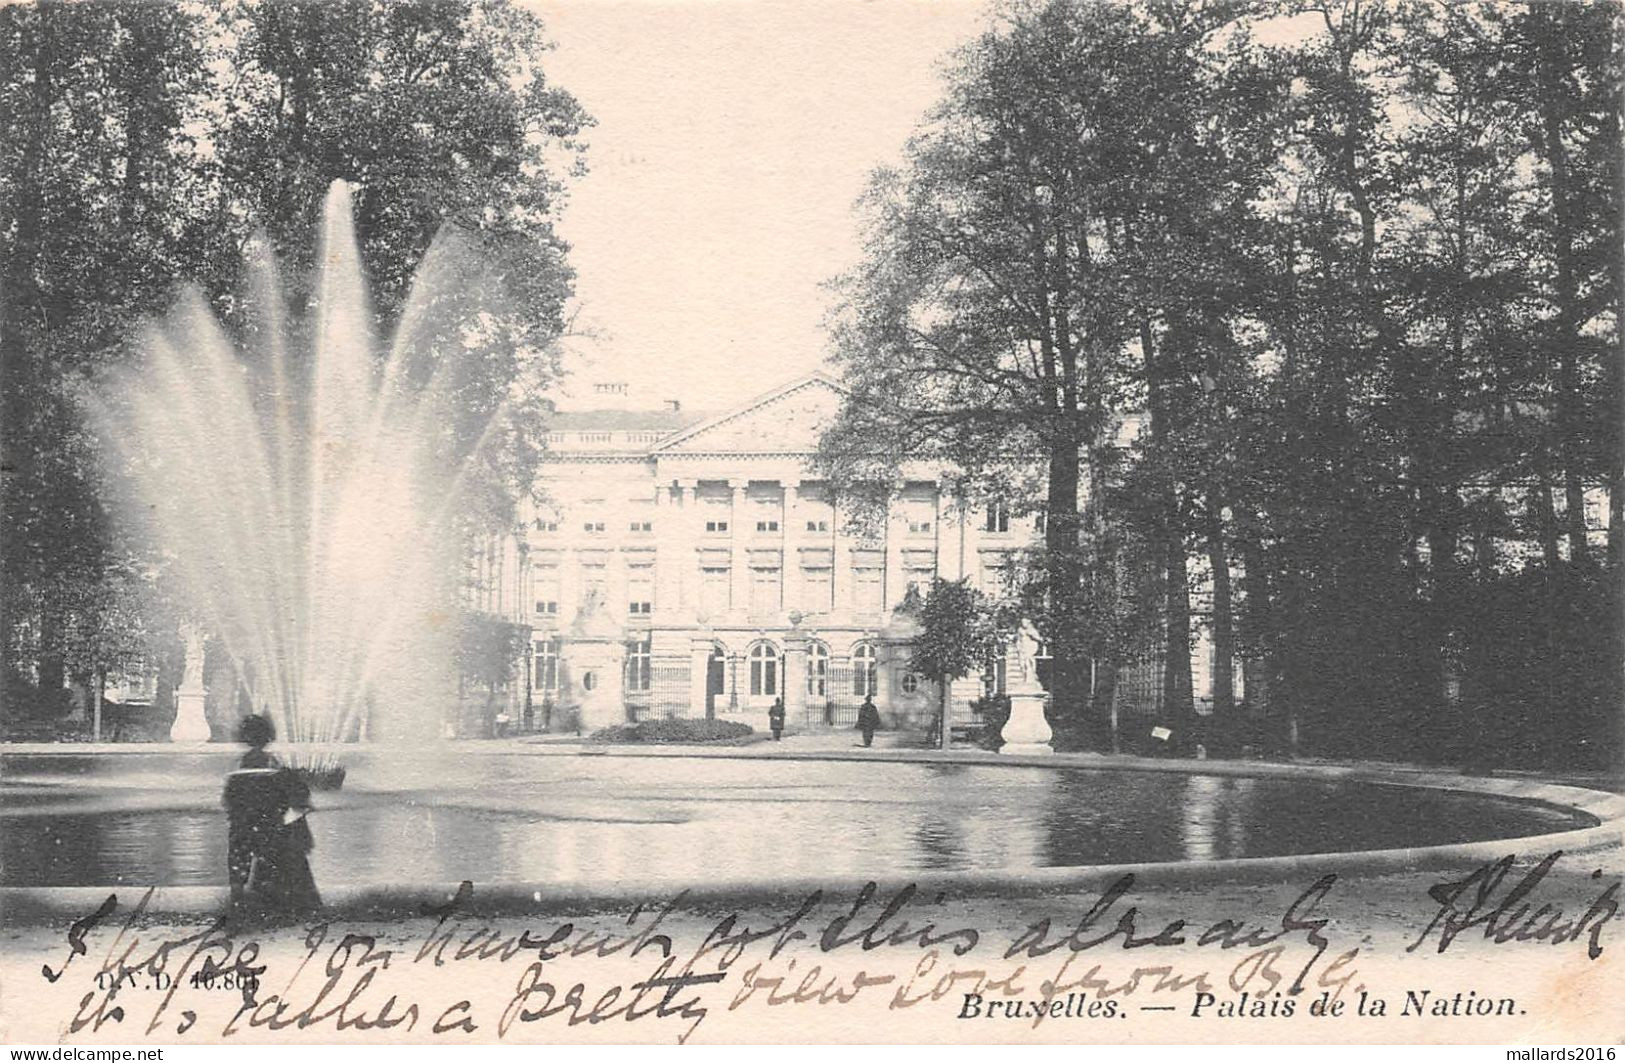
436	817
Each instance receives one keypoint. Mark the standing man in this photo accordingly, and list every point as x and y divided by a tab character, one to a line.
775	718
868	719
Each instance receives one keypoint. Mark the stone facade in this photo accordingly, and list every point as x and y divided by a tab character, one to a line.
706	550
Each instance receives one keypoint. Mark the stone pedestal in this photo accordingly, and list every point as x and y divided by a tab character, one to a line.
593	663
595	669
1026	732
699	665
795	675
191	723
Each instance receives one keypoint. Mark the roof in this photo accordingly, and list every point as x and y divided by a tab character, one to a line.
624	420
705	422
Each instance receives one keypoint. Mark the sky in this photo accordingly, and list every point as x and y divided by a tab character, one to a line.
733	138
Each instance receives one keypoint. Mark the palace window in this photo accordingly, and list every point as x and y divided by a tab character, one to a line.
594	582
998	517
764	590
593	527
995	574
868	589
641	527
640	591
548	526
637	666
767	526
1043	664
815	589
717	527
919	527
918	581
545	676
764	670
863	671
817	671
714	592
544	590
818	525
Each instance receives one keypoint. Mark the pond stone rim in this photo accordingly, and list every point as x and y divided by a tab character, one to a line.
36	904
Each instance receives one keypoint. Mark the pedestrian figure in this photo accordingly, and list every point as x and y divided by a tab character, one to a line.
868	719
267	838
775	718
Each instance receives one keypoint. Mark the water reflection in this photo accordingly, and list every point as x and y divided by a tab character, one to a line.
76	820
1217	810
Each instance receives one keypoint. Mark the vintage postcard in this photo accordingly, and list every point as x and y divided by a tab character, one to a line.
813	521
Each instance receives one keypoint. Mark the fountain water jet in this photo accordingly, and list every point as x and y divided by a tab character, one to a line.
309	501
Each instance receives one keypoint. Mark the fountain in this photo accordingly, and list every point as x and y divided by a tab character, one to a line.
304	483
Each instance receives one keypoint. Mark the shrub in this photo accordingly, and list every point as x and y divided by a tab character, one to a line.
994	711
676	731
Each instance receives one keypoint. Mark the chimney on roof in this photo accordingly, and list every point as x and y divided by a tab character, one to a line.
673	405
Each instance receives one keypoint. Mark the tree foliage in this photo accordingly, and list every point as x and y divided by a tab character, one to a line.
1313	346
144	146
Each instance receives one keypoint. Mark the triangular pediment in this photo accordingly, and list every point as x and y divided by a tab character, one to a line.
787	420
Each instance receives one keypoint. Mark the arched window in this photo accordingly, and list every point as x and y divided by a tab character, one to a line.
817	670
545	677
764	670
863	671
637	667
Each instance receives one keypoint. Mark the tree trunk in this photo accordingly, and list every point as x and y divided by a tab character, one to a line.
1224	643
1178	697
1178	706
1064	572
20	302
101	696
1565	333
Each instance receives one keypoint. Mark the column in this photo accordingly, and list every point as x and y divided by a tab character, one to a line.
738	557
896	530
790	557
795	679
685	560
699	662
668	592
946	560
840	576
569	587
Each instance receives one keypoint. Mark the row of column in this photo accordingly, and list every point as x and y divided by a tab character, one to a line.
680	582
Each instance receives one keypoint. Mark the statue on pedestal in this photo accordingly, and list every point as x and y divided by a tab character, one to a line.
191	723
1027	731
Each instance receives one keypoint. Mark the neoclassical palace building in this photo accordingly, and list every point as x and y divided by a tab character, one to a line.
689	565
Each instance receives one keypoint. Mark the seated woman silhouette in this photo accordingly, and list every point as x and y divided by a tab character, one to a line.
267	837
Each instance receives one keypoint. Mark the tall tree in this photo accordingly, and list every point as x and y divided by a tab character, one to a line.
441	115
98	174
143	145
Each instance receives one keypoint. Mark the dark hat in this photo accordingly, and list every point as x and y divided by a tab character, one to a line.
256	730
